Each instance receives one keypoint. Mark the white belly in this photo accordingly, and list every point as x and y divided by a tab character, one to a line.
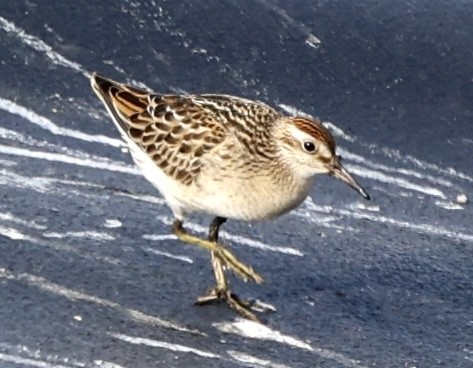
250	199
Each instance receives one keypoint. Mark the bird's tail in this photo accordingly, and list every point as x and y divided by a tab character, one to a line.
123	102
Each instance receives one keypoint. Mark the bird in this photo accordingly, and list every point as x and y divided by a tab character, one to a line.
224	156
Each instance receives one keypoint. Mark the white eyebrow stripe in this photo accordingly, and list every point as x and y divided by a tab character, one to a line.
301	135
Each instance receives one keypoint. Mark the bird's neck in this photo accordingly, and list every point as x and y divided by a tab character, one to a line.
286	180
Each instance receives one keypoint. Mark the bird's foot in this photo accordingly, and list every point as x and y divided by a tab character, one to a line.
241	306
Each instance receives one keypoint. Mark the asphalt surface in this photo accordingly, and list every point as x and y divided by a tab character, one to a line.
89	274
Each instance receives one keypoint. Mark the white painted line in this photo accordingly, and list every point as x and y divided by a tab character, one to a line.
323	221
377	217
49	147
254	330
11	233
447	171
389	179
254	361
311	40
9	217
105	364
59	246
40	46
364	207
31	362
34	183
165	345
8	163
59	157
260	245
449	205
144	198
75	295
56	58
46	124
168	255
159	237
112	223
89	234
436	179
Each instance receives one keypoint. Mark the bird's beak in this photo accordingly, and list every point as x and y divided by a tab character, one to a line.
338	171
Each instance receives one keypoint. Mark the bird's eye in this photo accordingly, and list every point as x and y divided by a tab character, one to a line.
309	147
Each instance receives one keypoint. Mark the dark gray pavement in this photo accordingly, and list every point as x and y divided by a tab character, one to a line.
89	276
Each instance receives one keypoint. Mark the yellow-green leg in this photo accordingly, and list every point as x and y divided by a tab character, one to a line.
221	292
227	258
222	257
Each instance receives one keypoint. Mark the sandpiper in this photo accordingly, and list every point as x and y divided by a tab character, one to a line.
225	156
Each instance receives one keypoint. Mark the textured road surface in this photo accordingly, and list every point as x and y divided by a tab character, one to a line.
89	275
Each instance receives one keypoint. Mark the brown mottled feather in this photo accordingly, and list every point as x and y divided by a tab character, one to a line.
177	131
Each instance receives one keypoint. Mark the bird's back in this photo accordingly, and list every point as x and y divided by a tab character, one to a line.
200	151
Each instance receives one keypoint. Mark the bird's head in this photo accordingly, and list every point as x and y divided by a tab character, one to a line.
308	148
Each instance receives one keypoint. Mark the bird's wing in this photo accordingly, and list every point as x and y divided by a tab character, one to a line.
178	131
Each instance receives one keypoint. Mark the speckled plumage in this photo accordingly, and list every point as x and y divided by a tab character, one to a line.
179	131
